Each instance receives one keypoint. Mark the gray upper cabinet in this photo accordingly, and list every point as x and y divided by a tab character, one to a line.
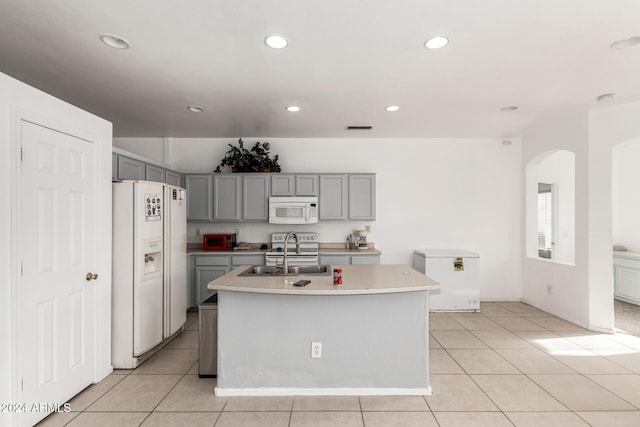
199	194
114	166
130	168
333	197
306	185
154	173
362	197
172	178
283	185
226	197
255	197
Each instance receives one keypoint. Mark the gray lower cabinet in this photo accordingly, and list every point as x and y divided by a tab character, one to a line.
199	193
172	178
131	168
349	259
204	275
207	268
333	197
362	197
154	173
238	260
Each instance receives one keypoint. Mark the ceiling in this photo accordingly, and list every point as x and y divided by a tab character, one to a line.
346	61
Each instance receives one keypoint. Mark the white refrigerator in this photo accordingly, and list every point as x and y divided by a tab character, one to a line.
457	272
149	290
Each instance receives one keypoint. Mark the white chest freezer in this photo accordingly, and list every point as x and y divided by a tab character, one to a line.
457	273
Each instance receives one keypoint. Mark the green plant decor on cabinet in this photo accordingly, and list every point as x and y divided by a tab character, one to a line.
256	159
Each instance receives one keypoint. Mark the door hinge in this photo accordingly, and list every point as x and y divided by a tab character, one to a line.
22	384
21	153
21	268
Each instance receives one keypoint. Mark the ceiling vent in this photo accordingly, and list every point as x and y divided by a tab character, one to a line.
359	127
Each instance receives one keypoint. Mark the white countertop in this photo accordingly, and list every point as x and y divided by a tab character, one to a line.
626	255
356	280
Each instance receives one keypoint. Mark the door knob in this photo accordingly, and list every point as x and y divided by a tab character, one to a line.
91	276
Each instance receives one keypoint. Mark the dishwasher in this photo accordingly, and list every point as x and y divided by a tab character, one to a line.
208	337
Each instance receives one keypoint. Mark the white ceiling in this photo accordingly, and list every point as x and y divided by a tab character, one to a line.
346	61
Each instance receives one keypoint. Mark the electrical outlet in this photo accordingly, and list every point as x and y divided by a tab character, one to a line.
316	350
197	231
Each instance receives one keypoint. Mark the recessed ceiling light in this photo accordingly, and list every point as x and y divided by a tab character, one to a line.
276	42
623	44
392	108
436	42
114	41
605	97
509	108
293	108
195	108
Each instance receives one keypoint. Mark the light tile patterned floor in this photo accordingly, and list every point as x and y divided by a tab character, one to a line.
509	365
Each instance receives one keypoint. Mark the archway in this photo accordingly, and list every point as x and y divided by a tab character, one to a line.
550	207
625	231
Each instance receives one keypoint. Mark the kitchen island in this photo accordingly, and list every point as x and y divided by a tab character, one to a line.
373	333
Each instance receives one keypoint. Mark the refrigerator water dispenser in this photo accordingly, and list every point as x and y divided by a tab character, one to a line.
152	266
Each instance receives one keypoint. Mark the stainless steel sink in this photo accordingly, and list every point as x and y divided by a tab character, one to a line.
312	270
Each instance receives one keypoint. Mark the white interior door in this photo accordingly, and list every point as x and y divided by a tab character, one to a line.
56	349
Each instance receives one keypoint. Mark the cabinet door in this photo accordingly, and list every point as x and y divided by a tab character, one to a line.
306	185
154	173
114	167
365	259
333	197
204	275
255	197
282	185
130	168
226	197
172	178
362	197
247	260
198	188
192	289
335	260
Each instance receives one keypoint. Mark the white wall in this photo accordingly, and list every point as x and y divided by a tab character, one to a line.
608	127
150	148
557	168
21	101
625	196
431	193
570	293
582	293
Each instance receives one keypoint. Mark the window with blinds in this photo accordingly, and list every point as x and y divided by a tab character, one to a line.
545	220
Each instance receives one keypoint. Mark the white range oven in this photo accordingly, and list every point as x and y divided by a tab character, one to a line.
301	251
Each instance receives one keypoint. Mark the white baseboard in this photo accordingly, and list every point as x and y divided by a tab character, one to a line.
275	391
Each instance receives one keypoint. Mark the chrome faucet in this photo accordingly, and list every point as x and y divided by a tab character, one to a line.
285	261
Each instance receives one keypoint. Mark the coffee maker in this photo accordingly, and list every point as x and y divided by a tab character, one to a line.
360	238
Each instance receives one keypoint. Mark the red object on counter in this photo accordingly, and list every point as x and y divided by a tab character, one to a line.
219	242
337	276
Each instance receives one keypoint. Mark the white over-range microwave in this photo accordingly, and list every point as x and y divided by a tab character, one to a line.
293	210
